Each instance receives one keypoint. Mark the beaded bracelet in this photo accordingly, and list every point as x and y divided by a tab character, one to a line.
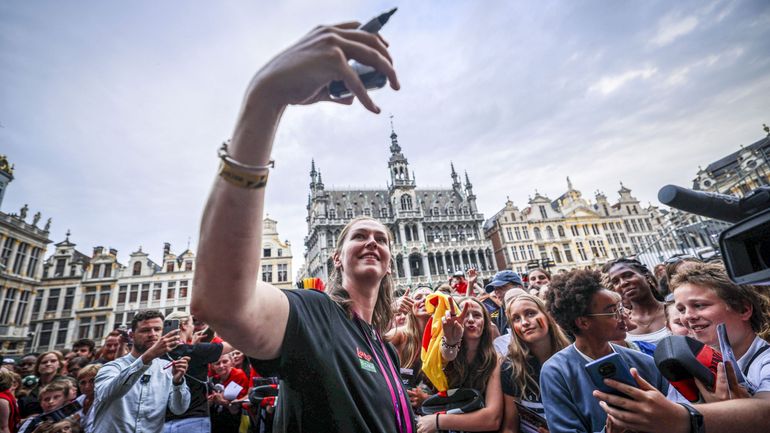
450	346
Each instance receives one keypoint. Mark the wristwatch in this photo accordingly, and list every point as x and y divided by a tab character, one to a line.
696	419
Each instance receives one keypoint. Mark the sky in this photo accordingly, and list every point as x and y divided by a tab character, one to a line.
112	111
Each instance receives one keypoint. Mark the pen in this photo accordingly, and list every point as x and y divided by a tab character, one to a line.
370	77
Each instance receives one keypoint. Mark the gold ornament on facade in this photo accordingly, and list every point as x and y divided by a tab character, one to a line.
5	165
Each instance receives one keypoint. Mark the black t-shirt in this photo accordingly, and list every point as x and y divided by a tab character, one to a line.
201	355
497	314
532	399
333	372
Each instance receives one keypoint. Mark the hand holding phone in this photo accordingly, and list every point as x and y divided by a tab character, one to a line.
170	325
612	367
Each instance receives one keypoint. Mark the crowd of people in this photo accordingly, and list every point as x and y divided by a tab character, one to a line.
507	354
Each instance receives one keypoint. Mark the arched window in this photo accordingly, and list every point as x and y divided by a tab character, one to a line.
549	232
332	213
538	236
349	213
406	202
561	231
137	268
556	255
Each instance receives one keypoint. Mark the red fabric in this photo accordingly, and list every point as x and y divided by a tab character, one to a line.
14	417
238	376
462	287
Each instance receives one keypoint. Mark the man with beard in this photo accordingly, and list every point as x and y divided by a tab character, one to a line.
132	392
112	349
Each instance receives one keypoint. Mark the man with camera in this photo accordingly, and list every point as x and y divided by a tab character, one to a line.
132	392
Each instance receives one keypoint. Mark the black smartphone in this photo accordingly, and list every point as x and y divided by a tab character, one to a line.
613	367
170	325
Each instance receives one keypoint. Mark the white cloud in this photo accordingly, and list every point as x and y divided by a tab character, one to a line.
609	84
670	28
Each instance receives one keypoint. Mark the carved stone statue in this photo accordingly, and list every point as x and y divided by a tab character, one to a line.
47	225
36	218
23	212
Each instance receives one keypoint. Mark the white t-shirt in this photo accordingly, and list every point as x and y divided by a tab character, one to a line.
758	373
652	337
501	344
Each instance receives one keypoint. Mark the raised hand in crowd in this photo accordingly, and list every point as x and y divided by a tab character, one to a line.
405	303
162	346
453	324
726	386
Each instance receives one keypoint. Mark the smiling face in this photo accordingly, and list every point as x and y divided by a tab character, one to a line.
610	325
223	366
111	345
630	284
418	308
365	252
529	323
702	310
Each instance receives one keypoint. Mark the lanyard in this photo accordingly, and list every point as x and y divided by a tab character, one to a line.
402	416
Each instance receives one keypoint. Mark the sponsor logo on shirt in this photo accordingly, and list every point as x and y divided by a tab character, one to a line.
365	361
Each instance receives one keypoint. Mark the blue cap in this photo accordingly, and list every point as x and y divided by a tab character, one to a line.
502	278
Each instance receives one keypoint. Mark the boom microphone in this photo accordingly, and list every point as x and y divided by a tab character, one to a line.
712	205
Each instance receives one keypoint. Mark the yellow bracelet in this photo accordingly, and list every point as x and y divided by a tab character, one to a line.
242	175
242	178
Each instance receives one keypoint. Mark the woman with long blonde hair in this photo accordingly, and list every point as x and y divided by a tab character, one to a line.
535	337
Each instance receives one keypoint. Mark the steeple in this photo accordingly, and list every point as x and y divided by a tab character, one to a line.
468	184
470	195
313	174
455	181
398	164
569	184
320	183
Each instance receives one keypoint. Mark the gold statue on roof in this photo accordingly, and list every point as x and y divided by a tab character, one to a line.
5	165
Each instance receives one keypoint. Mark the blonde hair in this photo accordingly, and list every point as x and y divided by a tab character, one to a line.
383	312
89	370
519	353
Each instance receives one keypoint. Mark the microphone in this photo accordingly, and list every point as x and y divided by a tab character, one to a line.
712	205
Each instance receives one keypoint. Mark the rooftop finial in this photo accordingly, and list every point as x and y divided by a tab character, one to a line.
766	128
569	184
68	235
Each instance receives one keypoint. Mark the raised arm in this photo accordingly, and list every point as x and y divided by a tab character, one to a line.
252	315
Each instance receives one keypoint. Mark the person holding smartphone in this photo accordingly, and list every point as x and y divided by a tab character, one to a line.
337	373
583	307
135	390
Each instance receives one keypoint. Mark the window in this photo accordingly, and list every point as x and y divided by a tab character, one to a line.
170	266
574	230
633	224
45	334
280	251
122	294
156	291
602	249
543	212
61	335
514	254
59	270
21	309
509	232
137	268
518	233
145	296
526	233
84	327
594	250
267	252
95	271
21	255
581	251
171	294
531	252
89	299
34	258
549	232
560	230
38	303
10	296
349	213
183	289
69	299
104	296
538	236
107	270
332	213
53	300
6	254
283	272
384	212
523	252
541	250
595	228
567	253
435	211
406	202
367	212
100	323
267	273
585	229
556	255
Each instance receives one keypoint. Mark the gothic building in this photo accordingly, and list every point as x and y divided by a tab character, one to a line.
437	231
